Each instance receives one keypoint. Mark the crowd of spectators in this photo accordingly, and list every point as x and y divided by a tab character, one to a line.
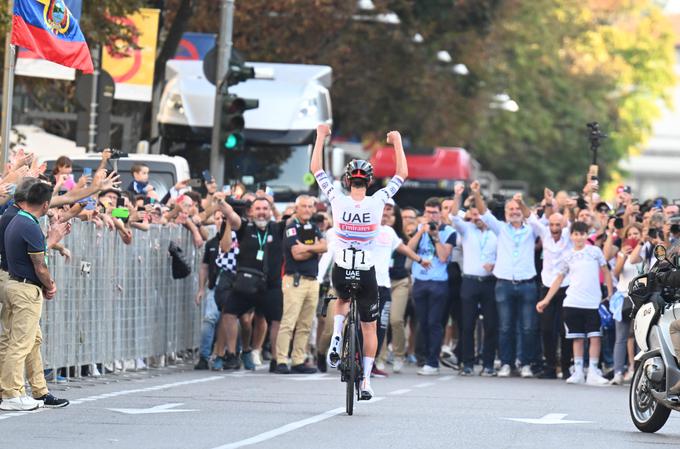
493	287
497	288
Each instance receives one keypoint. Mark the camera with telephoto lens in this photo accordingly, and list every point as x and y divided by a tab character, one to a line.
239	206
117	154
433	226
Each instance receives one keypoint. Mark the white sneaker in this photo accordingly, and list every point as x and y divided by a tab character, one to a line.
428	370
397	365
333	355
139	364
505	371
577	378
526	372
20	404
617	379
366	392
628	376
380	365
257	357
94	372
595	379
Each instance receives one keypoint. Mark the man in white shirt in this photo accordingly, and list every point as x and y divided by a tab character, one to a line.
516	290
556	243
477	289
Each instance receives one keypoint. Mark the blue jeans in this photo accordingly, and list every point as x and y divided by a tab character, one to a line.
208	324
430	298
516	304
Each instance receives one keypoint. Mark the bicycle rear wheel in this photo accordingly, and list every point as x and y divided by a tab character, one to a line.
351	373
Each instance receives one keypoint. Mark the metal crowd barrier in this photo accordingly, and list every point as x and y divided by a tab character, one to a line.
117	301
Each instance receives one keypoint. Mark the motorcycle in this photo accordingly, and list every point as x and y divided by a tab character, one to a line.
655	307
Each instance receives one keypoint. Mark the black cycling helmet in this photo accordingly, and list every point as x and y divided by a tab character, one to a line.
358	169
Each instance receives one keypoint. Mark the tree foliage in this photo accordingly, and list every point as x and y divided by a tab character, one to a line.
565	62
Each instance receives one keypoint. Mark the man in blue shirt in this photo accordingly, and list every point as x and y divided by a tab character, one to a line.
516	290
433	242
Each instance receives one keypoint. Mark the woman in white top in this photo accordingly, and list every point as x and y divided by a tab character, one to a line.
625	271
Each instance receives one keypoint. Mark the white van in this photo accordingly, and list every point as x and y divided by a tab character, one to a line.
164	171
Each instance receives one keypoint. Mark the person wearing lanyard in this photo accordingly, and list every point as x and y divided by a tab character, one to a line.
302	246
260	249
516	292
29	281
432	242
477	289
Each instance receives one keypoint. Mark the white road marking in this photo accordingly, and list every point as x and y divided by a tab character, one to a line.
124	393
424	385
13	414
291	427
310	377
399	392
549	419
165	408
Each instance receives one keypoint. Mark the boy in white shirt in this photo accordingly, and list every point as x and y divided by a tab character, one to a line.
581	318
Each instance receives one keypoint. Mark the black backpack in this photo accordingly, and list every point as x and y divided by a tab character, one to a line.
180	266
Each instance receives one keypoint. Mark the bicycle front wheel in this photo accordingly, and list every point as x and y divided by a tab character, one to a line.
351	367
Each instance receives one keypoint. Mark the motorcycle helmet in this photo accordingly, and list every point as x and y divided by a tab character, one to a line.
358	169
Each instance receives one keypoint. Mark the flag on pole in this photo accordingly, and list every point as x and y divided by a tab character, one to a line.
48	28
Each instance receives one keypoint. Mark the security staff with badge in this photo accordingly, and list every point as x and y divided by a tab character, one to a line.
302	245
257	283
29	281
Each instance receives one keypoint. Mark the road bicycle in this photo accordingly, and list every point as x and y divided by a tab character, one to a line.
351	358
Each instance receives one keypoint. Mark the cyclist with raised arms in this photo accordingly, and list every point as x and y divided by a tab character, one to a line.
357	218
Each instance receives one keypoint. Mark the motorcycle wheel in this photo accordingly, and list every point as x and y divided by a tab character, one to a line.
647	414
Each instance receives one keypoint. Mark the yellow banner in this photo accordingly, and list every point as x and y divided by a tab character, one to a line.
133	71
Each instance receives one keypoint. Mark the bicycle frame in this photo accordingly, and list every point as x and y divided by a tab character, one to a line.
352	370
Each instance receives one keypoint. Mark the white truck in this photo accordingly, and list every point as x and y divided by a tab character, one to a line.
279	133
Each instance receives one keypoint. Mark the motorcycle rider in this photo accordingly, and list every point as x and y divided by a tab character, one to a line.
672	279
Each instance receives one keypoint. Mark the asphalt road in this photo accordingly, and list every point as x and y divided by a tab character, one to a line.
182	408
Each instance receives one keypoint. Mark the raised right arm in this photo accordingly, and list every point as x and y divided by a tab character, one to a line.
322	131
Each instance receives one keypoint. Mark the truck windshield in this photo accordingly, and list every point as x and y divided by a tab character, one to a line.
283	168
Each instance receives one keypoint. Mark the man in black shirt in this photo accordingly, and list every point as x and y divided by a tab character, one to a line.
259	270
302	246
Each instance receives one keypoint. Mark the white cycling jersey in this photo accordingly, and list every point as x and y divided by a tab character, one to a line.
357	223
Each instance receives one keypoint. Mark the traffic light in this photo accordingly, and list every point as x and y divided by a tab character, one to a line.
232	122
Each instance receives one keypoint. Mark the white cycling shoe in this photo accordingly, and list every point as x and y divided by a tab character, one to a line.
333	355
366	392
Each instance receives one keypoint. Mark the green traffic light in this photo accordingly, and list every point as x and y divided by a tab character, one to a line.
231	142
